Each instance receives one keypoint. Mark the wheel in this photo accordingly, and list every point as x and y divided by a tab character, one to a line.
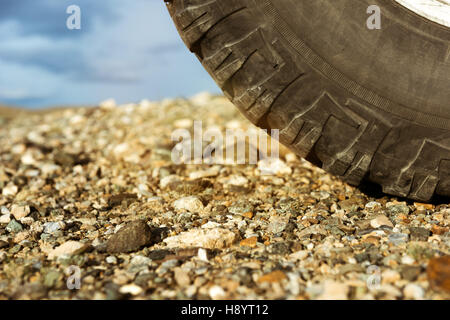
367	105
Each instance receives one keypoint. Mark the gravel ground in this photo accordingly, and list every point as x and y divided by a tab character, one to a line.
90	199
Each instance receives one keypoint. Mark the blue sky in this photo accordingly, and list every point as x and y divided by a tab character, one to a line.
127	50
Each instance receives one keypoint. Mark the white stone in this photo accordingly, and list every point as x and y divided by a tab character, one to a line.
10	190
274	166
111	260
408	260
68	248
216	293
202	255
132	289
413	291
191	204
205	238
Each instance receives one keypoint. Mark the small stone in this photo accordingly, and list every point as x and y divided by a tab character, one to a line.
14	226
10	190
166	181
334	291
273	166
68	248
248	215
419	234
398	238
216	293
211	172
6	218
181	276
438	272
20	211
122	198
410	273
111	260
408	260
390	276
422	206
435	229
132	289
240	207
51	278
299	255
217	238
52	227
249	242
130	238
202	255
380	221
108	104
234	180
273	277
413	291
191	204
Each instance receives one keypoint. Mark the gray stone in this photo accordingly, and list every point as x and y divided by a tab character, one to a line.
130	238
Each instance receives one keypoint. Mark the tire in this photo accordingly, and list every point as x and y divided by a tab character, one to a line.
370	106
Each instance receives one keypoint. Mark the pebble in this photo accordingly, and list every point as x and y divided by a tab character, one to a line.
273	277
20	211
14	226
52	227
398	238
132	289
380	221
111	260
438	272
166	181
249	242
234	180
206	238
413	291
181	276
216	293
272	166
68	248
211	172
10	190
334	291
192	204
6	218
419	233
130	238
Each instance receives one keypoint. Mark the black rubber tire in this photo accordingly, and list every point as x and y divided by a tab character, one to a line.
365	105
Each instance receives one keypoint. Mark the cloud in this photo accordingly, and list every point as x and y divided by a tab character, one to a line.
128	50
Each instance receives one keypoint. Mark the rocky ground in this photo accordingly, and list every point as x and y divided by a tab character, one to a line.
90	198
